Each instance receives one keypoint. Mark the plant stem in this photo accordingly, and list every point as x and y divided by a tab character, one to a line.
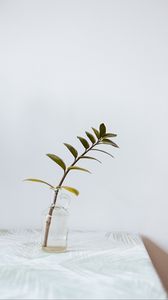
49	217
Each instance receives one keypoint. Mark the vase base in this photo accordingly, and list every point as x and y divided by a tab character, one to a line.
54	249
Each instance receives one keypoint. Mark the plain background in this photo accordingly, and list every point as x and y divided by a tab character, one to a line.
66	66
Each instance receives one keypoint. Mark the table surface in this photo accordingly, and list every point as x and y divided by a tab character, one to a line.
97	265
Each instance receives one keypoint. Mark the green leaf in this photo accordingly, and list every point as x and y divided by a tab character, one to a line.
73	151
103	152
84	142
57	160
38	180
102	129
90	157
109	142
91	137
78	168
110	135
96	132
69	189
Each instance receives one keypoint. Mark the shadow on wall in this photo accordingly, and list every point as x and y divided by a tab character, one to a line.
159	259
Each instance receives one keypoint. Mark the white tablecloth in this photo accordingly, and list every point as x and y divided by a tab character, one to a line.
97	265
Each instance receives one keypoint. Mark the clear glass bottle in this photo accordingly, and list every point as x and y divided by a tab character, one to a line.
58	230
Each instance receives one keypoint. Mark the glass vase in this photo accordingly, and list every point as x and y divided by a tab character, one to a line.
58	229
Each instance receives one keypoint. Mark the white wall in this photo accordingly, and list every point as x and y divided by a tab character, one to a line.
67	66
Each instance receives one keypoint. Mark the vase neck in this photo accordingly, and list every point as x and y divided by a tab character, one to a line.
63	200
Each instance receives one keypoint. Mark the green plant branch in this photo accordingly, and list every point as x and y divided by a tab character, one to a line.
100	137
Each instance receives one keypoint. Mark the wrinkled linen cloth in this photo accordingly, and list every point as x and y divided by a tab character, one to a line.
97	265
